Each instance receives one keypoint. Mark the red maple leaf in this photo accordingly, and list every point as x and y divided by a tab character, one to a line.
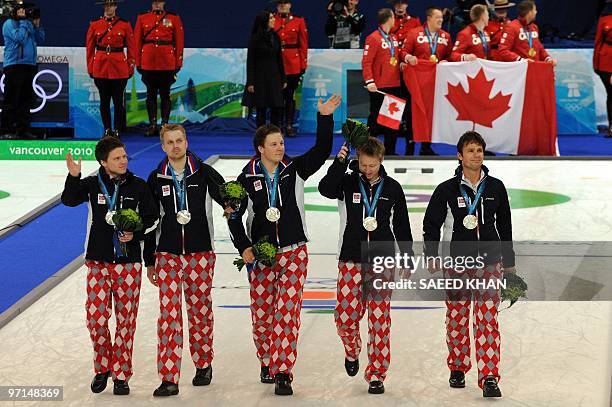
475	105
393	108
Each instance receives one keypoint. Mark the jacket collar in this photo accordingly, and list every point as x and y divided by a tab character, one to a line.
119	180
191	167
254	167
484	172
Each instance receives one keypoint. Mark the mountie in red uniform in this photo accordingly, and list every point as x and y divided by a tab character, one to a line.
403	25
420	43
292	31
495	29
471	41
521	41
602	53
160	41
110	67
107	40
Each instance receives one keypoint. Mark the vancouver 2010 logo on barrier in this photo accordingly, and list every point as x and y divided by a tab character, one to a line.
39	90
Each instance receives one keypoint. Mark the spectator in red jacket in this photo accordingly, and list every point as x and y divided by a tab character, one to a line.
473	42
602	60
381	73
520	39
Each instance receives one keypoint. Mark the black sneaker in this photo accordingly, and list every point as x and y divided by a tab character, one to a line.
409	148
108	133
490	388
351	367
457	379
121	388
376	387
151	131
166	389
98	384
264	375
202	377
283	385
116	133
427	150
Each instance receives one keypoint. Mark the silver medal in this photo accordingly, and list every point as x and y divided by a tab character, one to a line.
370	224
109	217
273	214
183	217
470	222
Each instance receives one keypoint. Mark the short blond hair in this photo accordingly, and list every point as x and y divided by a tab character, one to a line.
168	127
477	11
373	147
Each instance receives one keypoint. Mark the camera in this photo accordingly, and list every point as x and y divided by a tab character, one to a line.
8	9
336	7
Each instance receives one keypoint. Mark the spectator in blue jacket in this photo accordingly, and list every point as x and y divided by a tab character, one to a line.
21	37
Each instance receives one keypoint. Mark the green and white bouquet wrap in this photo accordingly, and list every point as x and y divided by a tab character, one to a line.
125	220
516	288
355	133
264	252
232	193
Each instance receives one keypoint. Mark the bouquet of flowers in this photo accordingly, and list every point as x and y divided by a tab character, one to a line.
126	220
264	251
232	193
516	288
355	133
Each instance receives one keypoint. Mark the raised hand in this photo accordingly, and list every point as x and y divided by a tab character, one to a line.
343	153
330	106
73	167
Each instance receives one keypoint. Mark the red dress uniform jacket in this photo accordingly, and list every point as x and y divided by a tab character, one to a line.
294	43
495	29
514	45
113	35
602	56
376	62
160	41
403	26
417	44
469	41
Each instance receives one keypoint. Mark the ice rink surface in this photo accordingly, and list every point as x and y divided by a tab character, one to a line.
553	353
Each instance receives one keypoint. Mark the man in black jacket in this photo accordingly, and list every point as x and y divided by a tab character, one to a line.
181	257
373	209
275	205
344	28
474	209
111	275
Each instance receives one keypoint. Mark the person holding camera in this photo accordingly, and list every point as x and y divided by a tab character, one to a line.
22	33
160	40
293	34
344	24
108	64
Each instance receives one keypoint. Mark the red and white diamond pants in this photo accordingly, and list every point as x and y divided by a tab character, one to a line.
484	306
351	305
108	282
276	303
193	275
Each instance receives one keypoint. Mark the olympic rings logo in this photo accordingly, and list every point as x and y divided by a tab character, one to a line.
39	90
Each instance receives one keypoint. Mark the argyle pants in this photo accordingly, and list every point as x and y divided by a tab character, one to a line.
191	274
276	303
351	305
108	282
483	304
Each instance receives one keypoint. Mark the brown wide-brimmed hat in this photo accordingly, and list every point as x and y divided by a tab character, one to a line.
502	4
105	2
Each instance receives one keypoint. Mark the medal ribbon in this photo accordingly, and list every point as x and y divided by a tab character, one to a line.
272	185
485	45
112	202
371	206
529	37
181	190
388	41
472	205
433	45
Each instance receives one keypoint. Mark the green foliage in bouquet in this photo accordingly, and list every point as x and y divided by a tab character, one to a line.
232	193
516	288
355	133
127	220
264	252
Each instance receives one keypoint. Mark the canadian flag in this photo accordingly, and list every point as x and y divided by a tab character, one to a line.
391	111
511	104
